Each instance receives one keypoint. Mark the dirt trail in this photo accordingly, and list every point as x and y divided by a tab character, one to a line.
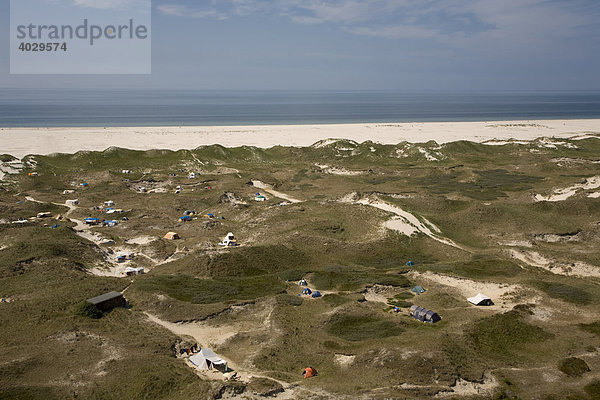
211	336
269	189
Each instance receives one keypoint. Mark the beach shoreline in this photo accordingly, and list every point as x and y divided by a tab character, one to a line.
20	142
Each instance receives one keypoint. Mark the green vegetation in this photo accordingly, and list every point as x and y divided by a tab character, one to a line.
565	292
85	309
354	327
573	366
505	335
205	291
347	278
594	328
244	301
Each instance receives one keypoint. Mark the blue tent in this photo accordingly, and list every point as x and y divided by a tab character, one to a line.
306	291
55	226
185	218
418	289
410	263
316	294
91	220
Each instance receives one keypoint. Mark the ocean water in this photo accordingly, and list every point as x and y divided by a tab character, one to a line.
56	107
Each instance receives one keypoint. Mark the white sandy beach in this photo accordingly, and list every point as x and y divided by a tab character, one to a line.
23	141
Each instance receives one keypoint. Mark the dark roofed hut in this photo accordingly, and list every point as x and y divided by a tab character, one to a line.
424	315
108	301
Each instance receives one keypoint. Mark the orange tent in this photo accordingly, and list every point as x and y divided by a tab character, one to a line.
309	372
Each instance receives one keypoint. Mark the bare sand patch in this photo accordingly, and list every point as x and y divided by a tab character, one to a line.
562	194
269	189
468	288
535	259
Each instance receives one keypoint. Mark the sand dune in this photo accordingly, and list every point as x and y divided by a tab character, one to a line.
23	141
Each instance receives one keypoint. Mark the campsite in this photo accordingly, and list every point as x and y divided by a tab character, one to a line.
385	275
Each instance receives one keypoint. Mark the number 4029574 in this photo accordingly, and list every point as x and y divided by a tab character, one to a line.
43	46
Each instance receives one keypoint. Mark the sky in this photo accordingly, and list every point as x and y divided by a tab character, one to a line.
456	45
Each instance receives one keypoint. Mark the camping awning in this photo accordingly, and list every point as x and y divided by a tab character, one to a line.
477	299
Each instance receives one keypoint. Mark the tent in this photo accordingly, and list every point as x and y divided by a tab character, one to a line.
91	221
316	294
206	359
418	289
259	197
303	282
185	218
171	236
229	240
424	315
410	264
480	300
307	291
188	212
309	372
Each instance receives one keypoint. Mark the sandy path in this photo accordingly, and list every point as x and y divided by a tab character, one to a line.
269	189
22	141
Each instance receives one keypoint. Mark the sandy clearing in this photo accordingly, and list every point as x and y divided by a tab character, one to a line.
22	141
141	240
594	195
516	243
463	388
205	334
470	288
343	360
338	171
576	268
562	194
269	189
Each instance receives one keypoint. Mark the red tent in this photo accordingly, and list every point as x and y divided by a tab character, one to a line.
309	372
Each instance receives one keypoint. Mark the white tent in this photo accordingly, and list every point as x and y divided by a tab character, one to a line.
480	300
229	240
206	359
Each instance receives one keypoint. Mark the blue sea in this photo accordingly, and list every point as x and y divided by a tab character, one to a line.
56	107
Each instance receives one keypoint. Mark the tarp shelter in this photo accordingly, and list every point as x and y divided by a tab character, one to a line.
316	294
424	315
91	221
307	291
171	236
418	289
206	359
185	218
480	300
309	372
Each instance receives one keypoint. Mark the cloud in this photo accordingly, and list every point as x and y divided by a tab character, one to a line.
396	32
178	10
112	4
450	23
